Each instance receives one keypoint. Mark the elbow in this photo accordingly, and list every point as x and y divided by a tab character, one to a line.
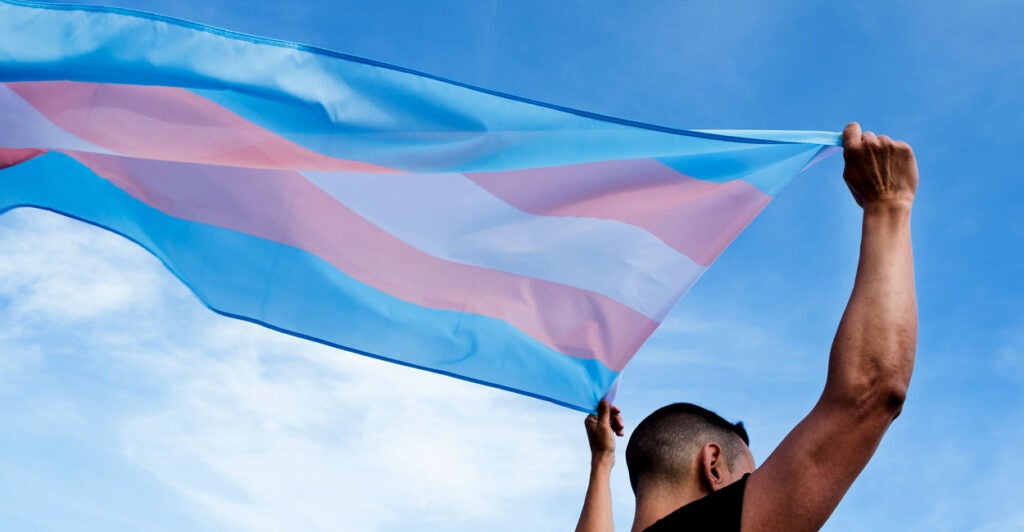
871	399
876	387
884	399
891	386
893	398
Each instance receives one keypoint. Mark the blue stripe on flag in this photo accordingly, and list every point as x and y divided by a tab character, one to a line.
293	291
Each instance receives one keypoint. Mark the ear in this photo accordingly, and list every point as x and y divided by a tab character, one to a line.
713	467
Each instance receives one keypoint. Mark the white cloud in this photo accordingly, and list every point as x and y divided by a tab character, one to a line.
320	439
66	271
257	430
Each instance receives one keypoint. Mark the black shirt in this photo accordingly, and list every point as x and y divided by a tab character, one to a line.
717	512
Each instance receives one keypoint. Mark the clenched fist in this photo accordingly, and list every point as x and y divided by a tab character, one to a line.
879	170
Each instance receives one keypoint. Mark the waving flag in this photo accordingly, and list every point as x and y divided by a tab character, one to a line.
508	242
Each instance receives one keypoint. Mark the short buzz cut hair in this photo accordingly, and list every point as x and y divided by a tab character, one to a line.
664	444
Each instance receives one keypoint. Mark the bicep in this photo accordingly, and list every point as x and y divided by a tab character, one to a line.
803	480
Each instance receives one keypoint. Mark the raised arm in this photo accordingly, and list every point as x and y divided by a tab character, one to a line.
597	505
872	356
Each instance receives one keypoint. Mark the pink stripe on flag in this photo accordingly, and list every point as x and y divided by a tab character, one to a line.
696	217
12	156
171	124
285	207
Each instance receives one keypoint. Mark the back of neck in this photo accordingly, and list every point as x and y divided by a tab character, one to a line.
654	502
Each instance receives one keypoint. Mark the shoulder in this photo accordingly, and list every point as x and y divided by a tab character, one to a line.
718	512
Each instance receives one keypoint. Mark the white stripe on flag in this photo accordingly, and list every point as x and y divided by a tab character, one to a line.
451	217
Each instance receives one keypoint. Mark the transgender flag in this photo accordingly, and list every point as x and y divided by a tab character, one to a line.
507	242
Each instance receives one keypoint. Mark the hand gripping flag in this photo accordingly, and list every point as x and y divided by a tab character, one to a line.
387	212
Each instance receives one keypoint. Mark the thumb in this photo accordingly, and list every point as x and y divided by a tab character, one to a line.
603	413
852	135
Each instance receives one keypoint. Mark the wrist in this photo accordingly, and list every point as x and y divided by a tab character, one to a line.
887	216
602	459
891	207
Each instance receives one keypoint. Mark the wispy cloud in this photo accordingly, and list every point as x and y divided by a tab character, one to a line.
257	430
277	434
65	272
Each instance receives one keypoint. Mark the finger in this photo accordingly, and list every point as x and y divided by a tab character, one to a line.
616	420
868	137
851	136
617	425
884	139
603	412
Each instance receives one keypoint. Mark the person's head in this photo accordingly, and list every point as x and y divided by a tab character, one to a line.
683	441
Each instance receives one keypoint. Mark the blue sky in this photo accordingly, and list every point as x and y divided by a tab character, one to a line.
125	404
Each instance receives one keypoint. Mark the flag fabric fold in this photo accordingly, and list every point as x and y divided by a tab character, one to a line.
504	241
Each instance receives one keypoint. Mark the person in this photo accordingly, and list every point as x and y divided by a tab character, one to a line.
690	469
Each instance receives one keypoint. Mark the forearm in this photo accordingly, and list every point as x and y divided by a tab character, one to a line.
597	505
873	353
869	368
